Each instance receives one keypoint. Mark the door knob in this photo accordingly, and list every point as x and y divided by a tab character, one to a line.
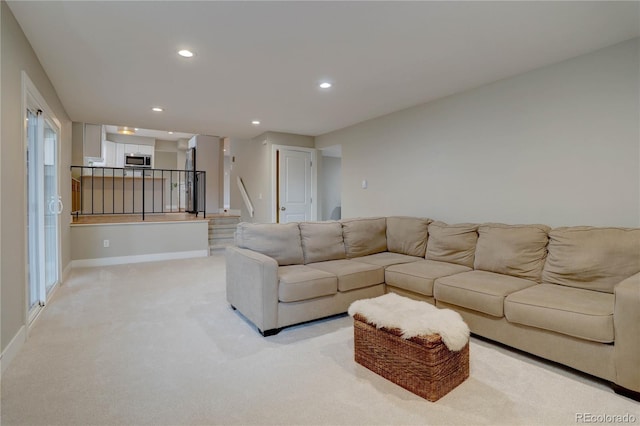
283	208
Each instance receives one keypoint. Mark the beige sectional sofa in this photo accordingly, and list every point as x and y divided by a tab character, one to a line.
571	294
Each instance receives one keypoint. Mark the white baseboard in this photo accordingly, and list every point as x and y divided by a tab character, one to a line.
12	349
120	260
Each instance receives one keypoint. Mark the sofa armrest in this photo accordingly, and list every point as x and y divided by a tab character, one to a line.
626	321
252	286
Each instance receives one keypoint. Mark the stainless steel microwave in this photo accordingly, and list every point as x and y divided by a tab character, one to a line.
137	160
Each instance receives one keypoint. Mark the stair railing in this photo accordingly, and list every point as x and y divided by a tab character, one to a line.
245	196
135	190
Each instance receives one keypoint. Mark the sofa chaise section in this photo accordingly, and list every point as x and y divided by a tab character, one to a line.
582	310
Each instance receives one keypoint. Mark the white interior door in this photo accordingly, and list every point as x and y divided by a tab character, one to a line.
294	186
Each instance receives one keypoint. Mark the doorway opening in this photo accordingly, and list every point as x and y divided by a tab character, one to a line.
330	183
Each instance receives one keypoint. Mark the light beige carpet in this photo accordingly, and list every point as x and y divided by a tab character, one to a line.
157	343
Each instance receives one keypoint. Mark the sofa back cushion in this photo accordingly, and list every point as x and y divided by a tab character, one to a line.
516	250
279	241
407	235
322	241
592	258
364	236
452	243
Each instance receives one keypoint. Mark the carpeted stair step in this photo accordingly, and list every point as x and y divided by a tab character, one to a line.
222	231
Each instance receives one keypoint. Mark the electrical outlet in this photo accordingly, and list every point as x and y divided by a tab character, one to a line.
105	243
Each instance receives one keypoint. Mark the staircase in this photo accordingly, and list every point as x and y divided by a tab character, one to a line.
221	231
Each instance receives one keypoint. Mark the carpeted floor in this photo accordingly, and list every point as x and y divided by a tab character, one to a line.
157	343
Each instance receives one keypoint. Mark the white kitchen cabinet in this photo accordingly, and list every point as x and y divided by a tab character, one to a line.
130	148
139	149
146	149
92	140
109	153
120	151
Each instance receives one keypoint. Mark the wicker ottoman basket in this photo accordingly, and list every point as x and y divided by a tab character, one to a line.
422	364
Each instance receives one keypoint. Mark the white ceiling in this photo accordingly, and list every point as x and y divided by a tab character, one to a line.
111	61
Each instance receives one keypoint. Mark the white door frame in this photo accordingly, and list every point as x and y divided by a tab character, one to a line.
32	97
274	179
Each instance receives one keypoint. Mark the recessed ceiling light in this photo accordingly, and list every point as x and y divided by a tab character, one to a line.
185	53
126	130
136	129
255	122
170	133
157	109
325	85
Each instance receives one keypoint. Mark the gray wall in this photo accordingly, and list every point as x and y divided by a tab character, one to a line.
17	55
558	145
330	186
253	164
250	161
166	160
77	149
209	160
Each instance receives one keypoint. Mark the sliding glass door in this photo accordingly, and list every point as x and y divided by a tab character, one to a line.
44	202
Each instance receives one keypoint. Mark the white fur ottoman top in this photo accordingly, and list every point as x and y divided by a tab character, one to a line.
413	318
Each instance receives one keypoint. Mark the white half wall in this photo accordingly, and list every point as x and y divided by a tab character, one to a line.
559	145
135	242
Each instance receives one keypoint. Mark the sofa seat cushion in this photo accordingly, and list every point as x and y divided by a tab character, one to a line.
299	282
419	276
387	259
351	275
481	291
585	314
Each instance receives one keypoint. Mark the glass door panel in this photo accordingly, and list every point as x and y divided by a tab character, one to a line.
32	211
52	206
